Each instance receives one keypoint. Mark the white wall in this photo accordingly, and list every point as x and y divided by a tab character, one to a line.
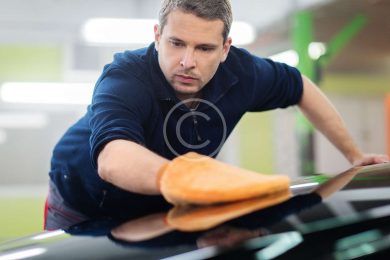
365	119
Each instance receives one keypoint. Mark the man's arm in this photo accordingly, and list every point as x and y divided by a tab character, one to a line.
130	166
319	110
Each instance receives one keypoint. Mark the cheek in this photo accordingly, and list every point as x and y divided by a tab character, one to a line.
212	67
170	59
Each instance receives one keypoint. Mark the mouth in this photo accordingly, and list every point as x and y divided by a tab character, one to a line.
185	79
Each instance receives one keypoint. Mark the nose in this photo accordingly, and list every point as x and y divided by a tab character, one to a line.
188	60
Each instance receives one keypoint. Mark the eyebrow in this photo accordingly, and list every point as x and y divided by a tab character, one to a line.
207	45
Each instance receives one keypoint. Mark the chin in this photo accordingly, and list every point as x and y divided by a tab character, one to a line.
187	90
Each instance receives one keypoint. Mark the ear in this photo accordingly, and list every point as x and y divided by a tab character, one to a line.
157	36
226	48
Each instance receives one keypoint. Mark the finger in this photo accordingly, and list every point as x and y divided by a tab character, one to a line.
373	159
382	159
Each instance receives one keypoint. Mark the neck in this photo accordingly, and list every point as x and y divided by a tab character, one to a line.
193	104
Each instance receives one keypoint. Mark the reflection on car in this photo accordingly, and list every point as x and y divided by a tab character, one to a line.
328	217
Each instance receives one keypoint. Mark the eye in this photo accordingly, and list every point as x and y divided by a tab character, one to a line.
176	43
206	48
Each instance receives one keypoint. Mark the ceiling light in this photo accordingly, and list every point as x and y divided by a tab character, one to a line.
121	31
46	92
242	33
23	120
316	50
140	31
289	57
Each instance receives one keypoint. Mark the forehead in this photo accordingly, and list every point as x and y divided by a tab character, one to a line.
189	27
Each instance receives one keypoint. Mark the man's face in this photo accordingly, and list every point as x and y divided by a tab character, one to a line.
190	50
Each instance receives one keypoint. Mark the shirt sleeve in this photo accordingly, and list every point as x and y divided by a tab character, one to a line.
276	85
118	110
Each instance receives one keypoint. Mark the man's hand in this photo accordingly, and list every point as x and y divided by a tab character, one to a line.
369	159
193	178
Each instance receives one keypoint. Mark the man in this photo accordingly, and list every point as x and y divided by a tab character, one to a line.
185	92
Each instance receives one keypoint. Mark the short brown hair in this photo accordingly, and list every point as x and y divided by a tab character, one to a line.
207	9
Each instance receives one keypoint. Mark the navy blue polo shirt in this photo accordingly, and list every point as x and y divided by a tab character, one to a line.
132	100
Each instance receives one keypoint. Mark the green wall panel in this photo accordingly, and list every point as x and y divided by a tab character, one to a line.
356	85
30	63
20	216
256	147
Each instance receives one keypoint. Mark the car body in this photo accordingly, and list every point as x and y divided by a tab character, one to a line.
352	220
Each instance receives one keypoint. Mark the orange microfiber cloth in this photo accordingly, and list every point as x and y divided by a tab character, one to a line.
197	179
195	218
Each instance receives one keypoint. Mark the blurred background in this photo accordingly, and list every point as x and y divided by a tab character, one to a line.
52	52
